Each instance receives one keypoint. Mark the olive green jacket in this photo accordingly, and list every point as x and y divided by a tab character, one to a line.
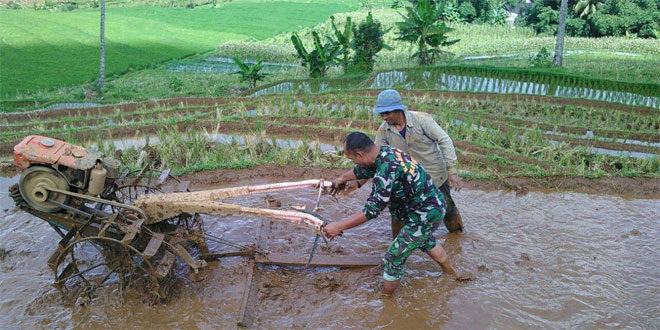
423	135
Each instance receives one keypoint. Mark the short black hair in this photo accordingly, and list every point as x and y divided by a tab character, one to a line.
358	141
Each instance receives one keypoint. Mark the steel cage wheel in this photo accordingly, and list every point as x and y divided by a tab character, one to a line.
92	263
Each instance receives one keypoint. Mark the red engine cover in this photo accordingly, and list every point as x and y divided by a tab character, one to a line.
35	149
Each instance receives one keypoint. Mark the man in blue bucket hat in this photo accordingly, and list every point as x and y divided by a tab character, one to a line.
419	135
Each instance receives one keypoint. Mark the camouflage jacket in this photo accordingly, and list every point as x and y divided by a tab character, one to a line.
400	182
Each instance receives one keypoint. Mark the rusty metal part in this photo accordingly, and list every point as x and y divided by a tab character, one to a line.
35	183
99	200
82	265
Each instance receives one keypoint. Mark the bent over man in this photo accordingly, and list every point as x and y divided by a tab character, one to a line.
400	182
418	134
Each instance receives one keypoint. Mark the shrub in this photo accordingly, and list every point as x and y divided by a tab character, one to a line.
367	42
175	84
12	5
467	11
450	12
541	59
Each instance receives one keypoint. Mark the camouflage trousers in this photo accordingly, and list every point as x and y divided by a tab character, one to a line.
452	219
411	237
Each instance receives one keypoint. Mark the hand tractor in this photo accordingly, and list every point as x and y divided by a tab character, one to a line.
126	229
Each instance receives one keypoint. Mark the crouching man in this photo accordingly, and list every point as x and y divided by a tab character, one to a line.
400	182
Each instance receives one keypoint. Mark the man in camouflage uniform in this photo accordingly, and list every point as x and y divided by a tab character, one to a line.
400	182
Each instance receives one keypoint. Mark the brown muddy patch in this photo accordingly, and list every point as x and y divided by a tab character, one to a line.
540	260
649	187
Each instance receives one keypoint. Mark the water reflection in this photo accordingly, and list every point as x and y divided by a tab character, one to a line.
464	83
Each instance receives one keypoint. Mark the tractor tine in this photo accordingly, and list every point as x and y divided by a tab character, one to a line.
311	255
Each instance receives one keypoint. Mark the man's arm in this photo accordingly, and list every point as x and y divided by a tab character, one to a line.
380	139
339	184
381	190
345	177
335	228
439	136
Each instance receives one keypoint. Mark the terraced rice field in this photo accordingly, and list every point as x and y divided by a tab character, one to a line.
497	136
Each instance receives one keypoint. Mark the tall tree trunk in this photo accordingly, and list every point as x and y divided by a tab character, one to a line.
561	31
102	65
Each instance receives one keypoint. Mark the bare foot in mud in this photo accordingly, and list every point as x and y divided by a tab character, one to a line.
382	295
463	277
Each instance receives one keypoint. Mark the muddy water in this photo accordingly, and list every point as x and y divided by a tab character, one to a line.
540	260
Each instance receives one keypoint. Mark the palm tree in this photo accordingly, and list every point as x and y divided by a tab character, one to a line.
102	65
561	31
587	7
423	27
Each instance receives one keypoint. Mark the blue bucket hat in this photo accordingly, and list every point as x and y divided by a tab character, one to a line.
388	100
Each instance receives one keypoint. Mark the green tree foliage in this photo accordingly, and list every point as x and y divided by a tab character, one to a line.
586	7
320	59
422	26
367	42
617	18
450	12
251	73
481	11
467	11
343	40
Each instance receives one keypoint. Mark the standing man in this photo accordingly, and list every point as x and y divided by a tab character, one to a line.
400	182
417	134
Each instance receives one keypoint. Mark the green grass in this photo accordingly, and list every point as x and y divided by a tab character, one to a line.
600	61
606	65
43	50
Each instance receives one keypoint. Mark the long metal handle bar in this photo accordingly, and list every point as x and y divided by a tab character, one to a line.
224	193
159	207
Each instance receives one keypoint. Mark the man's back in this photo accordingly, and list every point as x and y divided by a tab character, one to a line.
401	183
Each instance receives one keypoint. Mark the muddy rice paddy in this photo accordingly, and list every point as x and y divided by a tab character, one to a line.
541	259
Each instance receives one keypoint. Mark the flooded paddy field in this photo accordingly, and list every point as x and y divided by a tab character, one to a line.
550	259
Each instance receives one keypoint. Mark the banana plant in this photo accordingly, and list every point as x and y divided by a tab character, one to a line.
422	26
343	40
587	7
319	60
251	73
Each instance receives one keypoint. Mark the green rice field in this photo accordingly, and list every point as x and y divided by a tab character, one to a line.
41	50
